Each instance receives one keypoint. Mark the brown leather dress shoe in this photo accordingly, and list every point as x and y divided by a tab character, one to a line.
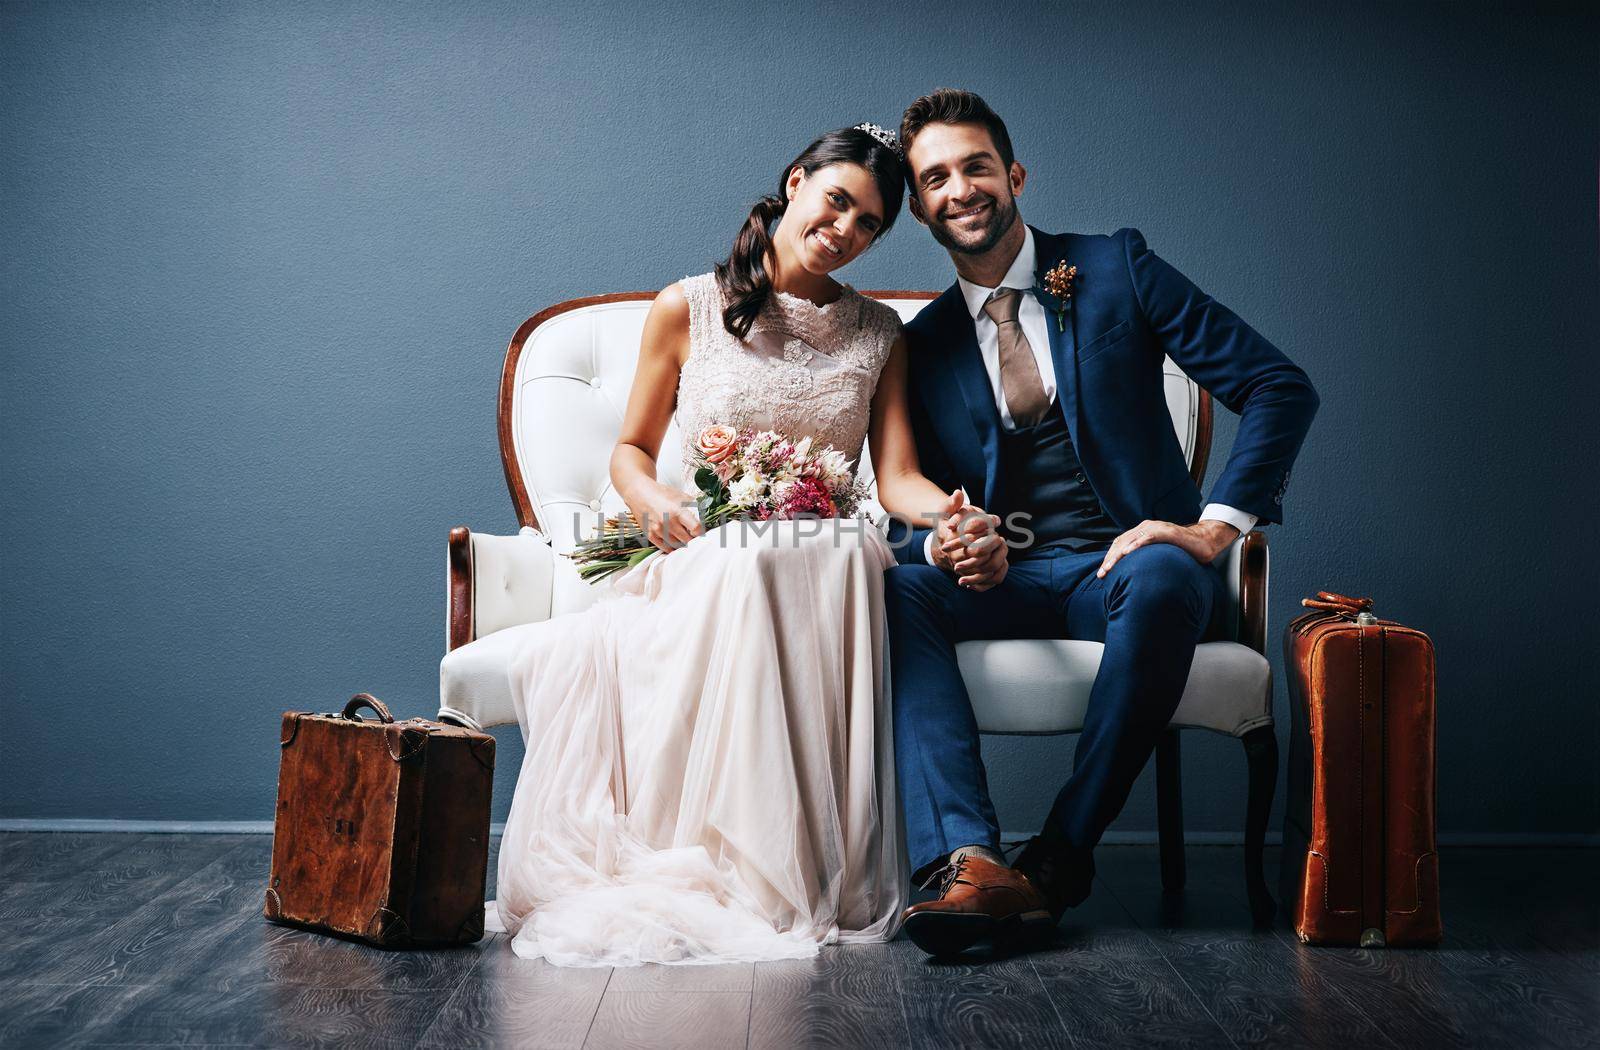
978	900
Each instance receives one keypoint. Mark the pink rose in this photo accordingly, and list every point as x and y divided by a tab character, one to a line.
717	443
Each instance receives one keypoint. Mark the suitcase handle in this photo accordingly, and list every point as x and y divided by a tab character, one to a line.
1337	602
361	700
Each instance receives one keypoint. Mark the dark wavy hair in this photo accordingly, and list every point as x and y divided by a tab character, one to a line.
743	277
954	106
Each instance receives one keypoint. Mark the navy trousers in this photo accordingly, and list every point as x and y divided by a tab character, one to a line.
1150	610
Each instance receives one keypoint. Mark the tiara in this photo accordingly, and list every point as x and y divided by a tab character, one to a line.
883	135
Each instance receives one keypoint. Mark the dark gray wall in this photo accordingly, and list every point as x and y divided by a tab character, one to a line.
262	260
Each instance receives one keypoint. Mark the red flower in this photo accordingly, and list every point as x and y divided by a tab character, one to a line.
808	496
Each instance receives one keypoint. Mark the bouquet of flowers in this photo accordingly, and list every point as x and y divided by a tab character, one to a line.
740	475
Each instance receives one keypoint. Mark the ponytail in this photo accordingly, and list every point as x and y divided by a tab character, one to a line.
746	285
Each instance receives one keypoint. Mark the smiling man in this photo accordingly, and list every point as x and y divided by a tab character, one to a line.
1036	380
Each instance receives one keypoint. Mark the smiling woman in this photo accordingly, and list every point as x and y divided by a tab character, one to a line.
838	197
751	652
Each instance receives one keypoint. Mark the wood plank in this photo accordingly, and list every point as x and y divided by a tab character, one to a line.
1108	1000
1247	979
1502	1001
1389	985
981	999
847	995
979	1018
265	1015
655	977
110	884
1108	979
507	1001
91	902
207	932
1543	899
829	1016
671	1021
60	1015
301	957
159	939
870	969
32	900
1496	979
45	856
1520	933
189	932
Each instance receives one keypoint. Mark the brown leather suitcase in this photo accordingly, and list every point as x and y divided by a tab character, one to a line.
1360	861
382	827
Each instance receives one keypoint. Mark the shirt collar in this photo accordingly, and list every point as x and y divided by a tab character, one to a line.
1019	276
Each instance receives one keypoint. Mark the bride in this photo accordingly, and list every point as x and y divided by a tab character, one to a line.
709	770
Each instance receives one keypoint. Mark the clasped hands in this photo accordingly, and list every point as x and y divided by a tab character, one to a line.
967	545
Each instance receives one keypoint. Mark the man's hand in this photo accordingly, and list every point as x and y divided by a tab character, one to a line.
944	529
1204	539
967	545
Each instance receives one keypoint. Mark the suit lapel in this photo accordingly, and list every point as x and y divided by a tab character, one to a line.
1049	250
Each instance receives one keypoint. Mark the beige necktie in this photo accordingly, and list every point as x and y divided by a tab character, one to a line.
1019	372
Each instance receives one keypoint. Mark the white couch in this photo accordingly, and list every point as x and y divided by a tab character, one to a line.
562	392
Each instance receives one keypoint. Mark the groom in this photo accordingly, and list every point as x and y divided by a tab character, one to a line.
1049	408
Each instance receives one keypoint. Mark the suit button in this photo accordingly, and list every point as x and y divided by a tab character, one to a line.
1081	477
594	504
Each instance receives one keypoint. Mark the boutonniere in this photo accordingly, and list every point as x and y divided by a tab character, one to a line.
1059	282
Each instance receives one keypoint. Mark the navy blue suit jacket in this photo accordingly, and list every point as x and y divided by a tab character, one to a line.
1129	307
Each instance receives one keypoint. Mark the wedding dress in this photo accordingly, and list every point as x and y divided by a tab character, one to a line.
709	767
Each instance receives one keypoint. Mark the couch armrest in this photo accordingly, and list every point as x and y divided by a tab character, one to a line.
493	582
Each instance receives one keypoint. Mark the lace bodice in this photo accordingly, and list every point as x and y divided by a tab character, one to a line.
804	370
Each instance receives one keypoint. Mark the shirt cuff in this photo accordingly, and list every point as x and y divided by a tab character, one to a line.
927	547
1239	519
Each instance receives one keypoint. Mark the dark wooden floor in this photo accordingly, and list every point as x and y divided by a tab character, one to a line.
158	939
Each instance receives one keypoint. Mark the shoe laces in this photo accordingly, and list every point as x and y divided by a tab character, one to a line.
947	875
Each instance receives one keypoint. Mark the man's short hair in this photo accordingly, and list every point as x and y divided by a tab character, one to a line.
954	106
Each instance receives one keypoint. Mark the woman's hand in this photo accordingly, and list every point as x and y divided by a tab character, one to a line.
667	515
967	545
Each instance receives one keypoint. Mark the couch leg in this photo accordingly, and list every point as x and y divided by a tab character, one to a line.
1169	811
1261	751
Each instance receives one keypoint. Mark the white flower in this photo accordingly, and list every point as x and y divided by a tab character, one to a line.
746	491
833	467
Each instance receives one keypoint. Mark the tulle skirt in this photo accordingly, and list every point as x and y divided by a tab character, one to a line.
709	765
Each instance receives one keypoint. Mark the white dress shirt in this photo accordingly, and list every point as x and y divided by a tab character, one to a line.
1031	316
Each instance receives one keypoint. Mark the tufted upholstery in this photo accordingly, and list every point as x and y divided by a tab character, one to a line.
562	398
